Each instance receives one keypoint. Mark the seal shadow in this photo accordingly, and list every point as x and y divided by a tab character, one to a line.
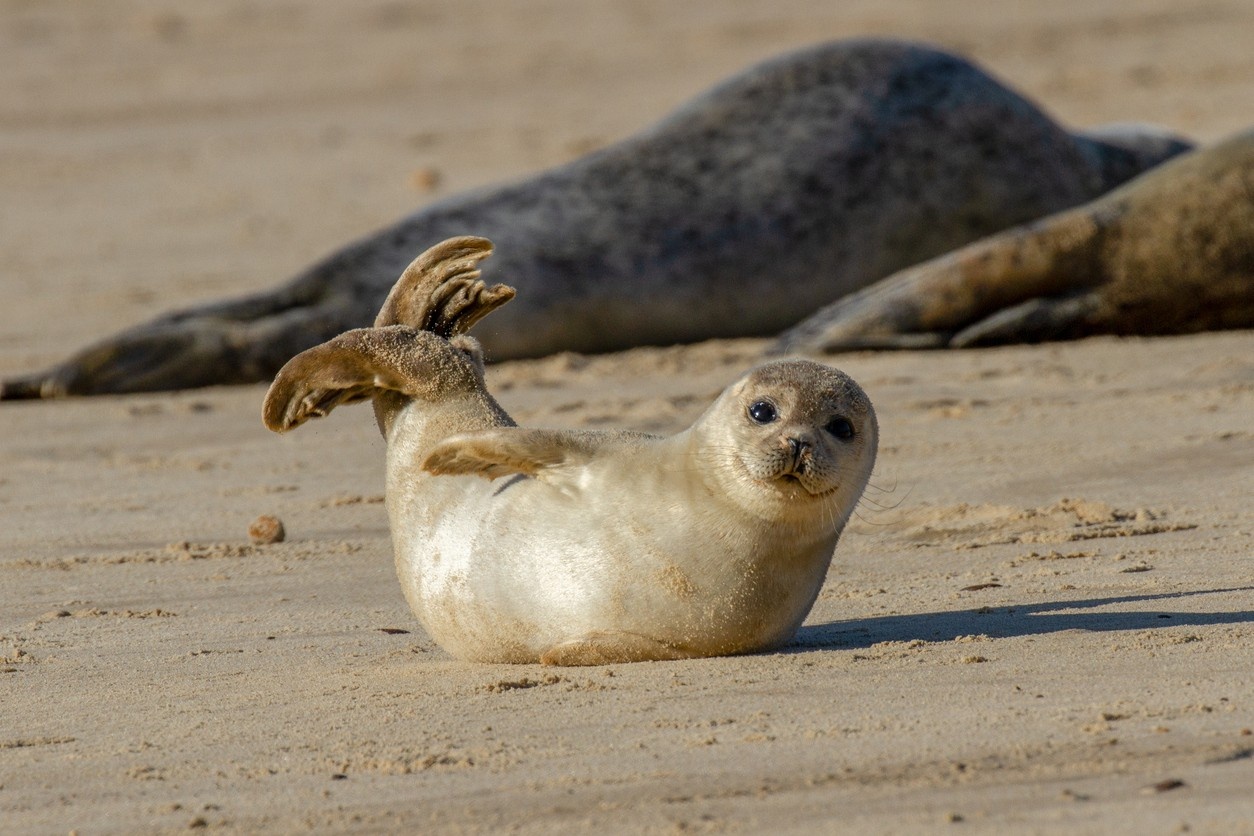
1013	620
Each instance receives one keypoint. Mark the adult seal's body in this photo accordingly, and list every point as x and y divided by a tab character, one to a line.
790	185
590	547
1171	252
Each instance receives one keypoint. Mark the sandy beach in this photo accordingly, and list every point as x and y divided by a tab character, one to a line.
1041	619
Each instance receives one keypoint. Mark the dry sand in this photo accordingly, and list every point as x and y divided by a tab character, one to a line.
1042	619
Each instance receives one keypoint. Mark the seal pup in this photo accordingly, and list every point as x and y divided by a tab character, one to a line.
798	181
588	547
1171	252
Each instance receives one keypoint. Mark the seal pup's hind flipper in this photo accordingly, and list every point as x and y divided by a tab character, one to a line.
548	455
441	290
356	366
417	349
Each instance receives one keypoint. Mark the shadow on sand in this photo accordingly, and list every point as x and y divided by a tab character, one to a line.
1017	620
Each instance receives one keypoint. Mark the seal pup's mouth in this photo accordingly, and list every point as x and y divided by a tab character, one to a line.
793	481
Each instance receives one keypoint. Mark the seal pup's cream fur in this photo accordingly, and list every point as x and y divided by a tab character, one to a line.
588	547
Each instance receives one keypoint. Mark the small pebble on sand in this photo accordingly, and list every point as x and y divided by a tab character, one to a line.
265	530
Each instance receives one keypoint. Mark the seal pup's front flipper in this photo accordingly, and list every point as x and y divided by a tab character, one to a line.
548	455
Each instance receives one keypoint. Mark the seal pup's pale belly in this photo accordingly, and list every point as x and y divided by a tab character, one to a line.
505	571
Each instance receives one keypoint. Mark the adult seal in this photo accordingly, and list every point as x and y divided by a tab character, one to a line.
790	185
1171	252
590	547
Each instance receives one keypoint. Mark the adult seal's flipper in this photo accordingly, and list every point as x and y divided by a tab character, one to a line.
1171	252
927	305
218	344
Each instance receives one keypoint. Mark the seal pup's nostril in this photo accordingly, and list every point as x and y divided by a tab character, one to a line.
798	449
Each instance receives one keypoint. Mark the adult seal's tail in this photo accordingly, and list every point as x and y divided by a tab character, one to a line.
1171	252
790	185
588	547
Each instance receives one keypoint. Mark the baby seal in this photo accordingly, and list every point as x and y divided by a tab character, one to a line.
1171	252
588	547
790	185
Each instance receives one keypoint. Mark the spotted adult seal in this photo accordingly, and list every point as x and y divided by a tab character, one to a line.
1170	252
798	181
594	547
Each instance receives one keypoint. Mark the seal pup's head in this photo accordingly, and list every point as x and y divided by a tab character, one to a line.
792	440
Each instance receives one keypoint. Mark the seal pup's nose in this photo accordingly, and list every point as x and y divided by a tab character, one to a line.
798	448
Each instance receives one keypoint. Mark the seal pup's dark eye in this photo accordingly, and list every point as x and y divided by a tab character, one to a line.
841	428
763	412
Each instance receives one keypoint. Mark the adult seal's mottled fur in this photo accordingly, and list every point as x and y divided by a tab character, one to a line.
1171	252
589	547
792	184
